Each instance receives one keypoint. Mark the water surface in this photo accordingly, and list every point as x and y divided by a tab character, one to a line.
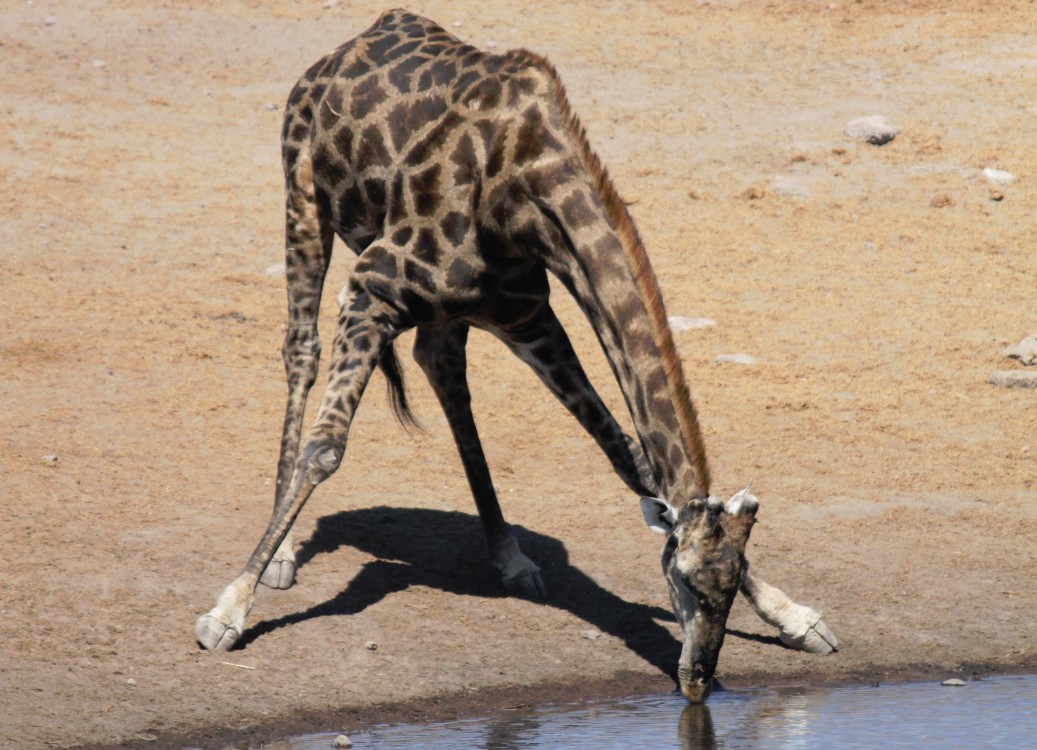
997	713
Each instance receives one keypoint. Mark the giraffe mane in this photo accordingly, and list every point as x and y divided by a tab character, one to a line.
644	277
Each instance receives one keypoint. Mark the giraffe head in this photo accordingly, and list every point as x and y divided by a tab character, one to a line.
703	561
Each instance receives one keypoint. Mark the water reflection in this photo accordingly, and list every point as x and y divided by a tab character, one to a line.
695	728
993	713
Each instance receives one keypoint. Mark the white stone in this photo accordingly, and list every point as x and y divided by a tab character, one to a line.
1025	351
735	359
1014	379
790	186
51	458
276	270
590	635
680	323
342	741
999	176
953	682
371	646
875	129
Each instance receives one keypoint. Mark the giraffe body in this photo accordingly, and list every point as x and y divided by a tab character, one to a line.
460	179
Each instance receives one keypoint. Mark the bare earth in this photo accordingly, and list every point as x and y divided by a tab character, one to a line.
875	286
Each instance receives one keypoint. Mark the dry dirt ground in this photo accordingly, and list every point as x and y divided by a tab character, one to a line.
140	337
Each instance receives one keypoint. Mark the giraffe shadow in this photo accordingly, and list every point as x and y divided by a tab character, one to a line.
446	550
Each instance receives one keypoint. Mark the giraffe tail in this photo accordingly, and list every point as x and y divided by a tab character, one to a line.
390	366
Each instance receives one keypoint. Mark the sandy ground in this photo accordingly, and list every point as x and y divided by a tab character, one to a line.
875	287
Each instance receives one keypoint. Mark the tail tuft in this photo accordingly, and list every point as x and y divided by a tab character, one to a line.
390	366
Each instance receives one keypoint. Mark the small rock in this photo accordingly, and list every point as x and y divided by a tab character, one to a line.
753	193
953	682
51	458
456	24
50	20
791	187
632	200
99	63
329	4
874	129
371	646
997	195
590	635
680	324
275	270
735	359
131	682
342	741
941	200
1025	351
999	176
271	106
1014	379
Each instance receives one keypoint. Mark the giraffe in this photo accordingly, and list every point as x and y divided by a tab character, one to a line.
460	179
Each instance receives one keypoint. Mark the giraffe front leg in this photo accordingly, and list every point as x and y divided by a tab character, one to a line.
440	352
799	627
366	327
543	344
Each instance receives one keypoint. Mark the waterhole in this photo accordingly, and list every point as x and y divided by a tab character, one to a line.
998	712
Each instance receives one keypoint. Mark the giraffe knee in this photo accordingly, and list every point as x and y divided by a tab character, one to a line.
320	460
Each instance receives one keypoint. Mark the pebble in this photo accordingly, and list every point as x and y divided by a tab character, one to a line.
131	682
51	458
874	129
680	323
371	646
1014	379
342	741
791	187
941	200
50	20
735	359
271	106
275	270
590	635
999	176
953	682
1025	351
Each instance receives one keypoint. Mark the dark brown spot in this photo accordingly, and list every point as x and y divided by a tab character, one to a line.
397	202
576	211
376	260
455	227
402	236
356	69
367	95
374	189
401	74
461	275
351	208
433	140
426	248
327	167
371	151
418	275
465	159
378	48
425	189
344	143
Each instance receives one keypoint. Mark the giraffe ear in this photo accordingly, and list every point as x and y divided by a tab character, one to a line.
659	514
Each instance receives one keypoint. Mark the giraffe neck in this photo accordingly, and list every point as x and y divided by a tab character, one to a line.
598	254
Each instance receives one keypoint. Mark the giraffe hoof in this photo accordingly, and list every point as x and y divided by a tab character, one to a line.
816	638
528	584
279	574
214	634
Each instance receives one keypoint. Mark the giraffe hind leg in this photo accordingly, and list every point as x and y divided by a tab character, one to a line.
440	352
366	327
308	244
